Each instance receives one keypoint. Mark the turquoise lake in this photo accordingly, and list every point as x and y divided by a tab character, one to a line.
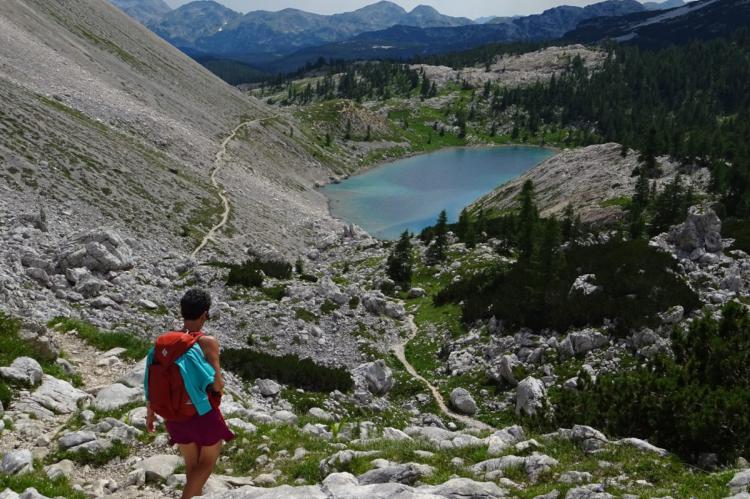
410	193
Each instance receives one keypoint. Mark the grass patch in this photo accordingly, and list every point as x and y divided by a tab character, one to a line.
41	482
12	346
82	457
305	315
135	348
275	292
328	307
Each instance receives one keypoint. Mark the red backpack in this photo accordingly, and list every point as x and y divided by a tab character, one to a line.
166	388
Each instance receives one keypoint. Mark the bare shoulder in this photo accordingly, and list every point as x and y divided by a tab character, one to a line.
208	343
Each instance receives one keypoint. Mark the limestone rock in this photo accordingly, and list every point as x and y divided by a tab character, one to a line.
268	387
463	402
160	467
401	473
17	462
531	395
115	396
700	233
378	377
24	370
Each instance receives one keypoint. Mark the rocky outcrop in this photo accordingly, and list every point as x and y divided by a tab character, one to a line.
591	179
531	395
463	402
346	486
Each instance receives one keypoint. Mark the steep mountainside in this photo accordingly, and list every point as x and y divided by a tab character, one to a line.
125	133
703	19
145	11
209	28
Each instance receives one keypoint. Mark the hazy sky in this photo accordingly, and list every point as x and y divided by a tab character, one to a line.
463	8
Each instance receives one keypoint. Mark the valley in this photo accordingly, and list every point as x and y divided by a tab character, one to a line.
580	331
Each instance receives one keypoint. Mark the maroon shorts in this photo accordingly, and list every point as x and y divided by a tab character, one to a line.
204	431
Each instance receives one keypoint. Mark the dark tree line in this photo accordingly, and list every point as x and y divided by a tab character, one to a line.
691	102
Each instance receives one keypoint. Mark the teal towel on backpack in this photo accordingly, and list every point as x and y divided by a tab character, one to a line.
197	374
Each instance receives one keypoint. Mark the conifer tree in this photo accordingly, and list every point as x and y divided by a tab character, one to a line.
527	219
400	261
436	250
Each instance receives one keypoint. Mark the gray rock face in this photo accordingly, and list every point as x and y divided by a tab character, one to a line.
580	342
17	462
595	491
530	396
378	377
99	251
407	474
59	396
115	396
57	470
502	370
268	387
699	234
501	440
160	467
76	438
23	370
740	482
585	285
346	486
463	402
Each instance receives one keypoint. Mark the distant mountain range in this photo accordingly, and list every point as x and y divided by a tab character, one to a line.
285	40
703	19
668	4
145	11
399	42
209	28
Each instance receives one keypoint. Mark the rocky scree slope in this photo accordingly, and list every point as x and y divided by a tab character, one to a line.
121	129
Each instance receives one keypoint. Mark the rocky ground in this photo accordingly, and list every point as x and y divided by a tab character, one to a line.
388	438
517	70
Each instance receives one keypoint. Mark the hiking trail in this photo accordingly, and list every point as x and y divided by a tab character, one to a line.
218	162
399	350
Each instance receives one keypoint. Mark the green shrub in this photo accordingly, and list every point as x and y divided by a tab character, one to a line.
135	347
308	278
695	403
739	230
275	292
305	315
354	302
6	394
287	369
247	276
637	283
329	306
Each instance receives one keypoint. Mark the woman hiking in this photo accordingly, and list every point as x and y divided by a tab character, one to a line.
183	384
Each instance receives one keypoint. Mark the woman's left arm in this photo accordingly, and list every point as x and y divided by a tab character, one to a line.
210	347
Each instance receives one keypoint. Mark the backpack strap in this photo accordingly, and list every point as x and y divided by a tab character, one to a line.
172	345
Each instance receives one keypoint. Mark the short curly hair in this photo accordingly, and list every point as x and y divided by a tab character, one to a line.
195	303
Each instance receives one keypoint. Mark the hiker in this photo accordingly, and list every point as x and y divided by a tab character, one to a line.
183	385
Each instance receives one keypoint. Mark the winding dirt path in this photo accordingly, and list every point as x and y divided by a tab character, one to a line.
218	162
399	350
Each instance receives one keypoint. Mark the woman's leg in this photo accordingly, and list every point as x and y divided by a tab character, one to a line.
190	453
202	469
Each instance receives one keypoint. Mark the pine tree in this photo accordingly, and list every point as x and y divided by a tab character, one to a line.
400	262
436	250
527	220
